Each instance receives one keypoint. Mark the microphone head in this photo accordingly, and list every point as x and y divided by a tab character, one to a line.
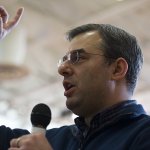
40	115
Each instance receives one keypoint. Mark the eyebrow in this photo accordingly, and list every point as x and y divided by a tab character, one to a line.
81	50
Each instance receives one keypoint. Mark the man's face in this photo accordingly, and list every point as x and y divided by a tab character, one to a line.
86	82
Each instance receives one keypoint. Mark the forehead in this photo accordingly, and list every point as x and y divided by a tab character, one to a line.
85	40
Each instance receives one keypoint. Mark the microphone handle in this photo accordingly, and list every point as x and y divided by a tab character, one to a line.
37	130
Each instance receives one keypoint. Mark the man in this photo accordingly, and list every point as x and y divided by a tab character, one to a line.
100	71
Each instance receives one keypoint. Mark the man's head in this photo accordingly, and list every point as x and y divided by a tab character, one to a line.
116	43
99	70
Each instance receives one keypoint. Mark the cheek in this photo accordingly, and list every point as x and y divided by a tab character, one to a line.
89	78
95	78
93	74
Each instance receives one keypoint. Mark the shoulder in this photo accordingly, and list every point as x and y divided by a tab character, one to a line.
63	130
7	131
142	137
63	136
136	125
143	121
6	134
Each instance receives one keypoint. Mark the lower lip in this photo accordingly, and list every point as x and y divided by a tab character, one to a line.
69	92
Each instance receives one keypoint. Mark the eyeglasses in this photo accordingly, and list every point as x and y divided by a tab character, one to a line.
74	56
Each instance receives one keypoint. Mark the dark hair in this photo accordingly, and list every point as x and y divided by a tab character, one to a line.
116	43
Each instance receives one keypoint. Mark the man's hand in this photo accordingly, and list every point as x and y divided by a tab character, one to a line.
5	25
30	142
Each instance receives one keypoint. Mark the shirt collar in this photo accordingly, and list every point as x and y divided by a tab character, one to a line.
112	114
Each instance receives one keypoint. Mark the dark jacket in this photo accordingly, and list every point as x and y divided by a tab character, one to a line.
122	127
6	134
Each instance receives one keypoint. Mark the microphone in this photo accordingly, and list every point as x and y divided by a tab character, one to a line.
40	118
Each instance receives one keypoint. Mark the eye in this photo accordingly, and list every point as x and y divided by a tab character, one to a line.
74	56
65	58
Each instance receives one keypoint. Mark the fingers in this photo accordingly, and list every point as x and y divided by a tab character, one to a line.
15	143
15	21
13	148
3	14
30	142
5	25
19	14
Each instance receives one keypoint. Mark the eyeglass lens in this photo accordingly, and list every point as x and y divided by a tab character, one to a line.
74	57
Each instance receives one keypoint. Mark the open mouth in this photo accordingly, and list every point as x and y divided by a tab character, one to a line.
68	86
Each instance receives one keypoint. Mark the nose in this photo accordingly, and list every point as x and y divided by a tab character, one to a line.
65	69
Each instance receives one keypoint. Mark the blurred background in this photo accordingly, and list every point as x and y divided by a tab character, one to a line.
29	54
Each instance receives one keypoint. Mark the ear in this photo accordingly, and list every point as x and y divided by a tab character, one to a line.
120	68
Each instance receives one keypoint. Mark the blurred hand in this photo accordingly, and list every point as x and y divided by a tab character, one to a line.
5	25
30	142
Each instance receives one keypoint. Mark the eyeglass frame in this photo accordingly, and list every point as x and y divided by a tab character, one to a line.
67	57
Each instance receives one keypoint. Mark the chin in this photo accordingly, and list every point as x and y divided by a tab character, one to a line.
73	104
73	108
